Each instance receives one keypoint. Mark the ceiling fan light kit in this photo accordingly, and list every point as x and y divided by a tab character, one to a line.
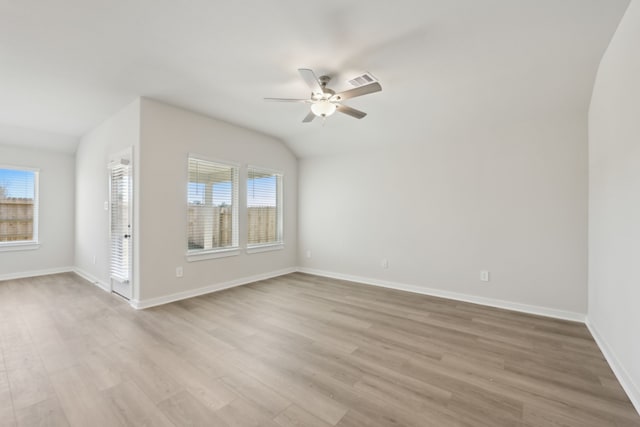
323	108
324	101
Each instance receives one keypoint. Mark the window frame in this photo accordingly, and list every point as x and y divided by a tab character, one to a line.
34	243
227	251
279	243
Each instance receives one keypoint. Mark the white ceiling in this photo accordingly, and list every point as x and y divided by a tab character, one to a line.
67	65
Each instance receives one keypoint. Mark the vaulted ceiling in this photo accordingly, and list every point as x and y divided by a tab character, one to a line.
67	65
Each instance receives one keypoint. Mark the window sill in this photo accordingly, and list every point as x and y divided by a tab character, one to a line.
265	248
204	255
19	246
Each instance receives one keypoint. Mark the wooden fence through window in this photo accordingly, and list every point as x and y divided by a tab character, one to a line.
217	222
16	219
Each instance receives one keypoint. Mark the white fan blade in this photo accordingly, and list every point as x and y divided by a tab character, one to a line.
312	81
309	117
359	91
350	111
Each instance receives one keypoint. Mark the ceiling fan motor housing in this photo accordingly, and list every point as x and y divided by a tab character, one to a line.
326	92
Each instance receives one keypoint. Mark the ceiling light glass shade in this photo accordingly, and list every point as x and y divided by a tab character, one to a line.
323	108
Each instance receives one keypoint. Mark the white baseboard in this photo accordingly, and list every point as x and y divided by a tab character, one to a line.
34	273
524	308
93	279
625	380
152	302
140	304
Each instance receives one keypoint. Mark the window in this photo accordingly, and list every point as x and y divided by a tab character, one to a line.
264	206
18	207
212	197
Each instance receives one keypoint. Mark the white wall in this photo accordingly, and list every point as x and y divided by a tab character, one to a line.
168	135
511	200
92	190
614	203
56	219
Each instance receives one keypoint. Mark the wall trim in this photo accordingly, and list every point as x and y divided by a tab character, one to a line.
152	302
141	304
508	305
625	380
35	273
93	279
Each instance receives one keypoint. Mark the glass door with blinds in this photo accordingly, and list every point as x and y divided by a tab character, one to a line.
120	219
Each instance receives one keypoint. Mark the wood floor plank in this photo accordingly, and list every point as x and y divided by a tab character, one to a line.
354	418
295	416
105	370
296	350
45	413
6	403
242	413
183	409
289	385
81	401
29	381
133	408
209	389
153	380
251	389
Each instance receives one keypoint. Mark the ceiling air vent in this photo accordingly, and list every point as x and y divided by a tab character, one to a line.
362	80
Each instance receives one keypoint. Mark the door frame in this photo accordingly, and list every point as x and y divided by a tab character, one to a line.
126	155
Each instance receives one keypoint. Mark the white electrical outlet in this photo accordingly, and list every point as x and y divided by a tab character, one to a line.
94	259
308	253
106	206
484	276
179	272
384	263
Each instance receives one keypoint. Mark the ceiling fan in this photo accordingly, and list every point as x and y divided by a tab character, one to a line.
324	101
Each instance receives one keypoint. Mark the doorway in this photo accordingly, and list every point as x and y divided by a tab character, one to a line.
120	219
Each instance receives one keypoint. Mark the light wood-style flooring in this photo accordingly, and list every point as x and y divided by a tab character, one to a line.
297	350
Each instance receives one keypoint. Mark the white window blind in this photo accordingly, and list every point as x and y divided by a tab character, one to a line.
264	206
212	195
120	199
18	206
